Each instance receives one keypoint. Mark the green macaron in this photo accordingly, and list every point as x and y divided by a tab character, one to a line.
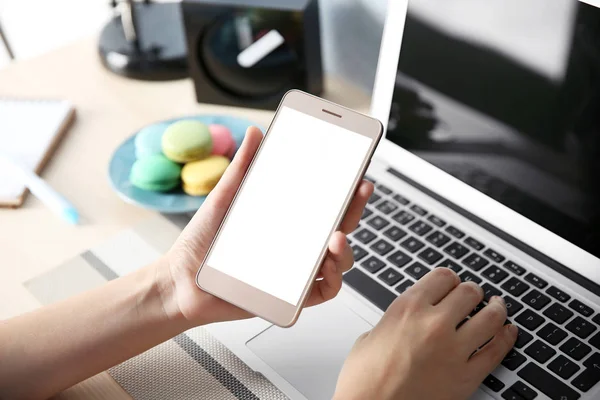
156	173
186	141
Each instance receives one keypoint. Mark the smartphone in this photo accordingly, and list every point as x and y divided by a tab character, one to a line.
268	250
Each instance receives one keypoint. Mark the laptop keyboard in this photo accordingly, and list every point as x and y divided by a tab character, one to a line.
558	348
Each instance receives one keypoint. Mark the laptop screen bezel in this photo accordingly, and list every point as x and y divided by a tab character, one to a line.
450	188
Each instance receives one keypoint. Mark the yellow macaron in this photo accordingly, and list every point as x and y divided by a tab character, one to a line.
200	177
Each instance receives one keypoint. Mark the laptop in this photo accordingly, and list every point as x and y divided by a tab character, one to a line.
490	167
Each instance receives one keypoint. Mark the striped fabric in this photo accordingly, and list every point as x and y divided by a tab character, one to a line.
193	365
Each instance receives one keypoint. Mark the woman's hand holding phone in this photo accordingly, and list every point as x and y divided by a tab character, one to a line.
181	296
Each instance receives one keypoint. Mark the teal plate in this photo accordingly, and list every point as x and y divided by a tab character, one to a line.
176	201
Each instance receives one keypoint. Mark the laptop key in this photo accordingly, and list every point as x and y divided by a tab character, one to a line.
523	390
575	349
419	210
448	263
596	319
515	268
438	239
508	394
421	228
412	244
401	199
374	198
581	308
417	270
403	217
593	361
390	276
475	262
474	243
430	256
382	247
558	313
358	252
590	376
395	233
387	207
489	291
580	327
552	334
558	294
378	223
513	360
536	280
384	189
494	255
563	367
595	340
457	233
399	259
530	320
523	338
512	306
587	379
495	274
369	288
372	264
456	250
404	286
436	221
493	383
547	383
515	287
536	299
469	277
365	236
540	351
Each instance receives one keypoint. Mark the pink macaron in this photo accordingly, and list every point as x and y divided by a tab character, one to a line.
223	141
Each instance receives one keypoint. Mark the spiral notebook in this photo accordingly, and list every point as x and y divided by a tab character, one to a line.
30	131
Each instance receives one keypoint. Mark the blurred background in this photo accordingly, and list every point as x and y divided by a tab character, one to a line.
34	27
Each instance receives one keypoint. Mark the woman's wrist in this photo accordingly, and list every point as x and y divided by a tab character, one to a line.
163	288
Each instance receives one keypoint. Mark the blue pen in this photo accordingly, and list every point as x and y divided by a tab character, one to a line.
40	189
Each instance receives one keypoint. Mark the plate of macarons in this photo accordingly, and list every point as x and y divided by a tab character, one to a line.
171	166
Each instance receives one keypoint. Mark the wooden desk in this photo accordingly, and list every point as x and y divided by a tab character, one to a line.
109	109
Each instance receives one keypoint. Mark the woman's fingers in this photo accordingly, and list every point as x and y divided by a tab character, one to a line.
340	252
488	358
220	198
436	285
484	325
352	217
327	288
460	302
339	260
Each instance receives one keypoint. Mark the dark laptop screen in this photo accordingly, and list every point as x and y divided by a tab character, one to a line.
505	95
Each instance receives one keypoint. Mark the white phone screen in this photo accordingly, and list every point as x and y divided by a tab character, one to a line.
289	203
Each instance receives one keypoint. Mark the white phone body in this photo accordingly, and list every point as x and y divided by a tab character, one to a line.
269	248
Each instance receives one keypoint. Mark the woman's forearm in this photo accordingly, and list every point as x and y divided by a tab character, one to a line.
64	343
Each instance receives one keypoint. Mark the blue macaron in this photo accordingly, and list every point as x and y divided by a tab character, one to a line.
148	141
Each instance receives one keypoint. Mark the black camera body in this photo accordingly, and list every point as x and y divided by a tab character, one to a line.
248	53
